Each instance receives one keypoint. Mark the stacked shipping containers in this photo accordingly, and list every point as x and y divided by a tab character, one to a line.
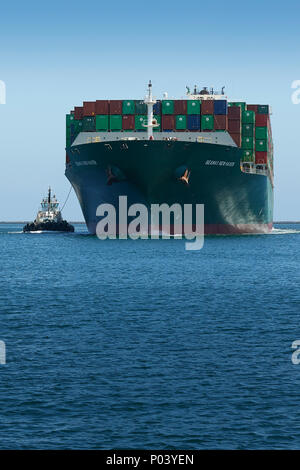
248	125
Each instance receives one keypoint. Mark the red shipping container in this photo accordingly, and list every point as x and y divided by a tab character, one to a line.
78	112
168	122
89	108
101	107
261	120
234	125
115	107
180	107
128	122
234	112
221	122
252	107
261	158
236	137
207	107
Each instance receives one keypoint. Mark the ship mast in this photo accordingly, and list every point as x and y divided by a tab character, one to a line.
49	199
150	101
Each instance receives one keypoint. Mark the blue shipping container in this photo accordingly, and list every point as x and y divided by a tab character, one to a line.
157	107
220	107
193	122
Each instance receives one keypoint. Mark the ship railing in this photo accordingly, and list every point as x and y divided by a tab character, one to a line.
254	169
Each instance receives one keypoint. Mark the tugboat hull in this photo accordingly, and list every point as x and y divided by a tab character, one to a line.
48	227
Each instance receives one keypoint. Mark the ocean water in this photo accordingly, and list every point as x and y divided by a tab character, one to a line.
142	345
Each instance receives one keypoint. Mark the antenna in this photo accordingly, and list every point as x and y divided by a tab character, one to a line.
150	101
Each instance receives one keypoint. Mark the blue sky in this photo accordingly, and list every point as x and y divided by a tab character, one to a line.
53	56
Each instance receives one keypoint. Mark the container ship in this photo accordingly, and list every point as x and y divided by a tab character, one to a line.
203	149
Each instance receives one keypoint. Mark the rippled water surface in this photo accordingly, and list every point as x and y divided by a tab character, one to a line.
141	344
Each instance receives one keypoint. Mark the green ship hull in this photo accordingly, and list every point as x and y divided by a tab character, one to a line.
150	172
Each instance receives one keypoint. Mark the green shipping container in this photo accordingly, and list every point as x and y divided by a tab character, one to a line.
261	145
158	119
69	119
167	107
238	103
140	107
207	122
248	156
248	143
263	109
89	124
193	107
261	133
181	122
101	122
77	126
128	107
248	130
115	122
139	121
248	117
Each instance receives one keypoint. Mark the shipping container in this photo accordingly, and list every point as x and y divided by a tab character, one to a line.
240	104
248	130
115	107
236	138
234	112
140	107
69	119
248	143
207	107
193	106
128	107
89	123
234	125
168	122
261	120
220	122
248	156
181	122
158	120
220	107
76	127
261	145
180	107
102	122
248	117
261	157
167	107
252	107
261	133
157	108
128	122
193	122
139	121
115	122
207	122
263	109
89	108
102	107
78	112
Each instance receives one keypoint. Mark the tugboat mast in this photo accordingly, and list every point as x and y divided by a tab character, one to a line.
150	101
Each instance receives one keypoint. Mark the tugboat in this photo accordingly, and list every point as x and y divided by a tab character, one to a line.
49	218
